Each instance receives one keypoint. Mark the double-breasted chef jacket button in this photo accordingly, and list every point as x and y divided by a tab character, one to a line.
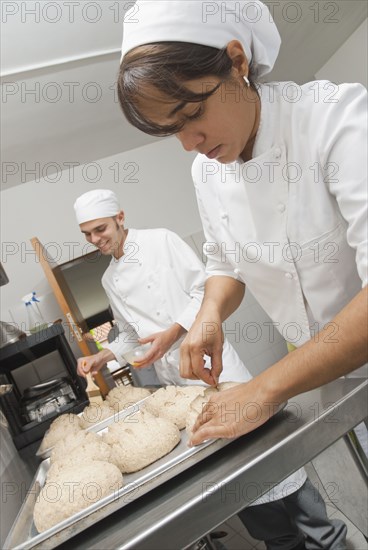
289	275
158	313
277	153
281	207
236	271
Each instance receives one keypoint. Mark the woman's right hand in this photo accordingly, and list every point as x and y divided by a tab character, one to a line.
204	338
222	297
93	363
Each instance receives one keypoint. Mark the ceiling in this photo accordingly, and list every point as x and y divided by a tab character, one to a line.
59	63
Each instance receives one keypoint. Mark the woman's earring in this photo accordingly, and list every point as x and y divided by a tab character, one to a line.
246	81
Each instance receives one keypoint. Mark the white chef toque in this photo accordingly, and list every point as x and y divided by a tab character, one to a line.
99	203
212	23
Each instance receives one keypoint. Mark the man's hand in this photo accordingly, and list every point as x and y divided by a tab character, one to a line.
161	344
204	338
93	363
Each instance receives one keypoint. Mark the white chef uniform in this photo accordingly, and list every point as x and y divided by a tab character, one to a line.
292	222
158	282
297	212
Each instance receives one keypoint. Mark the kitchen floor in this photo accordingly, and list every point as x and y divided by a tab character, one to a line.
238	537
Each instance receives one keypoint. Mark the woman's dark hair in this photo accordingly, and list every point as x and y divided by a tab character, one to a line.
165	66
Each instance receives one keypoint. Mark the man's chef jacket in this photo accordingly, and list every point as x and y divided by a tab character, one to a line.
159	281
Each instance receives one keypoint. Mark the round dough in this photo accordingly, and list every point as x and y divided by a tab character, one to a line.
90	449
77	488
122	396
172	402
73	441
95	412
196	406
139	440
59	428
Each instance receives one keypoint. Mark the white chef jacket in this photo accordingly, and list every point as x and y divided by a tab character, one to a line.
291	223
160	281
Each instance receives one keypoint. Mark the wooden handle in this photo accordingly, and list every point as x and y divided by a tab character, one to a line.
66	302
91	386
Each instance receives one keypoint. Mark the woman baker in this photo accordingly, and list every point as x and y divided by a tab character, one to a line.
280	174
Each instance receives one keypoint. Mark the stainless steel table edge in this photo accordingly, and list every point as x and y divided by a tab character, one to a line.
198	500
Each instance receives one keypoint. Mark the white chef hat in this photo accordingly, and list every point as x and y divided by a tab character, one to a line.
99	203
212	23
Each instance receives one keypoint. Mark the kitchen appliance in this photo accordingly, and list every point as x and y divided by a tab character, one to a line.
41	370
42	401
38	378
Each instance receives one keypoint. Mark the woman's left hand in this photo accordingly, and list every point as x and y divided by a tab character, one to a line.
233	413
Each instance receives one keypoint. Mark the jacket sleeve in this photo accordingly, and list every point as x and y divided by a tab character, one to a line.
216	261
190	273
344	158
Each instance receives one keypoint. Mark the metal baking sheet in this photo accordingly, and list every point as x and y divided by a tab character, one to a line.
126	411
24	535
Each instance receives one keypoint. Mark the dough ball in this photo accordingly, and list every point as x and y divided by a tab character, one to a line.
122	396
195	408
172	402
95	412
92	448
76	488
62	426
210	391
73	441
141	439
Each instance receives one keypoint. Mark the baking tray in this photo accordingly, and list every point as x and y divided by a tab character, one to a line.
24	535
126	411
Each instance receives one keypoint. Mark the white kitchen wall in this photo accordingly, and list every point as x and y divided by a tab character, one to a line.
350	62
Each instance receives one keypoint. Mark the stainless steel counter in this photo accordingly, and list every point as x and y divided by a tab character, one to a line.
180	511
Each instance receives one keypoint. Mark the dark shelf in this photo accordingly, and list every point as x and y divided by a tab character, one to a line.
27	343
99	319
